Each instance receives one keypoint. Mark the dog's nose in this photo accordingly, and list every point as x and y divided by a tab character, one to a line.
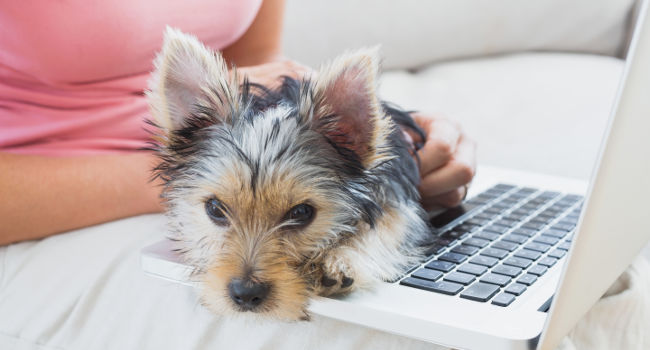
246	293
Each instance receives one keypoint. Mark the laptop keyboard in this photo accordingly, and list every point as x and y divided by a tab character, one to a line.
493	247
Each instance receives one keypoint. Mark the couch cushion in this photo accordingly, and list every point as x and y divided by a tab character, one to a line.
415	32
542	112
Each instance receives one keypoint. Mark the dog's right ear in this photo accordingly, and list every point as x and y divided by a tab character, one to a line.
190	80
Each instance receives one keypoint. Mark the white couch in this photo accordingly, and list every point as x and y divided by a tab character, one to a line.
538	75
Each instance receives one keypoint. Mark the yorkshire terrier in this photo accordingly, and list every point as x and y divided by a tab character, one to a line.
280	194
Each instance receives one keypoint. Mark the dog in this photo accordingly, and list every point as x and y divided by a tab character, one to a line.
280	194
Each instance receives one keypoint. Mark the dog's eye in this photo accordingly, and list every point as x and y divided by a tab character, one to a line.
215	210
301	214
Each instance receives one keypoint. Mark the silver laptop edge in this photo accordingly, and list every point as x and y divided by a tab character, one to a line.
614	225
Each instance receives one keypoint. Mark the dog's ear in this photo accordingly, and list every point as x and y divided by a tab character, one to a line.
345	108
190	80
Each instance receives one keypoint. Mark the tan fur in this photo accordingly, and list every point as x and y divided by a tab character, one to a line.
254	241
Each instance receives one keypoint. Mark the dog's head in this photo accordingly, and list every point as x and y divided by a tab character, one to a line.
260	185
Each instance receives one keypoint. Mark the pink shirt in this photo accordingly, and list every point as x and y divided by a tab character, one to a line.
72	73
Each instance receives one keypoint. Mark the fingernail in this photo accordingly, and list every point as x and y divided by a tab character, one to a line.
407	137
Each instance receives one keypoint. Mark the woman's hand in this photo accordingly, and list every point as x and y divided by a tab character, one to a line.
447	161
270	74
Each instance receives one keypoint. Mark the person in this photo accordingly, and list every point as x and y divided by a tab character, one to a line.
72	76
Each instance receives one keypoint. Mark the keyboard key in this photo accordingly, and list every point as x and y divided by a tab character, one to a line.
511	271
573	197
527	279
443	287
541	219
459	277
465	228
450	236
562	205
504	187
554	233
516	289
484	260
493	211
480	292
538	270
534	225
568	222
506	222
453	257
553	211
571	219
530	205
540	247
445	240
473	269
564	246
465	249
527	190
454	235
477	221
509	246
525	231
486	216
476	242
549	194
434	250
522	212
550	215
503	299
528	254
487	235
510	201
493	278
514	217
564	227
515	197
518	262
513	237
557	253
497	229
548	261
443	266
539	199
494	252
546	240
427	274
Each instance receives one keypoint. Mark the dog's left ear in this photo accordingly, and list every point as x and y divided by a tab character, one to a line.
191	79
345	108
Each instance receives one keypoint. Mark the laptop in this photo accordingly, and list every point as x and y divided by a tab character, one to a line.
525	257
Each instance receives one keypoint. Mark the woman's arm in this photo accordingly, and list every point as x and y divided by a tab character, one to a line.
41	196
262	41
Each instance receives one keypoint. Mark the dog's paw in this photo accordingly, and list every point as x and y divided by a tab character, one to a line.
336	278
